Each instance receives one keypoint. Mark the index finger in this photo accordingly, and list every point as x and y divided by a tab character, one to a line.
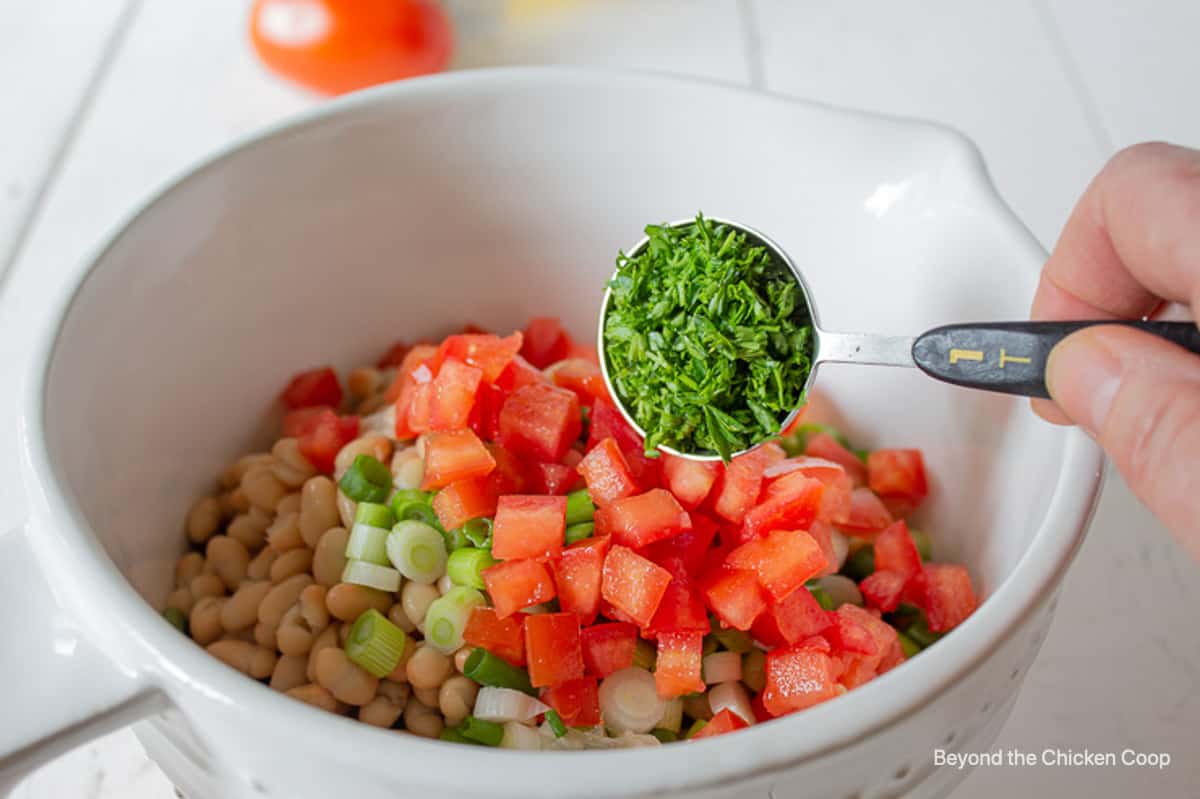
1132	241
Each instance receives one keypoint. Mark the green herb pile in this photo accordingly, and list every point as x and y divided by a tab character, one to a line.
707	339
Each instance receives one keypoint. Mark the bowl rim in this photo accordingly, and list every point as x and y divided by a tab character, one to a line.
142	645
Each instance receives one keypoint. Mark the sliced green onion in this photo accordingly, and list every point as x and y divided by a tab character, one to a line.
645	655
368	543
418	551
734	640
488	733
909	646
177	618
822	597
697	725
367	480
920	633
522	736
447	617
452	735
721	667
372	575
374	514
556	723
578	532
579	507
731	696
860	564
455	539
486	669
841	589
666	736
478	532
672	717
465	566
754	670
409	504
923	542
375	643
506	704
629	701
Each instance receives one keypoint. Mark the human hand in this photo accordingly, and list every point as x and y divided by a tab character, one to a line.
1131	248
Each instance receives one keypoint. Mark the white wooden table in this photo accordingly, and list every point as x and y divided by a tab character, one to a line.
106	99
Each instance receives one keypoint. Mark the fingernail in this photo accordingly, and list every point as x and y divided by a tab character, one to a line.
1083	376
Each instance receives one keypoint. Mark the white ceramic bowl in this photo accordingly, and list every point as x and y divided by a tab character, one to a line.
493	196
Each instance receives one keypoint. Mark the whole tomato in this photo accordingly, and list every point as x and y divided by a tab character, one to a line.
337	46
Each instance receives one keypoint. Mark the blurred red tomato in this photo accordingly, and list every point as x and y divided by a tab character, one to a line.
337	46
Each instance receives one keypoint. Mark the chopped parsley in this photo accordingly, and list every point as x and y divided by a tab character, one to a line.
707	339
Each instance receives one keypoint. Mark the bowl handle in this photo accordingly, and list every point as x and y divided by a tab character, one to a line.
57	689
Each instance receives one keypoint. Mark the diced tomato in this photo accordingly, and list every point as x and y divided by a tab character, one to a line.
677	668
394	356
643	519
782	561
510	475
605	421
896	552
738	487
723	722
734	595
897	473
835	501
581	376
414	406
892	657
453	395
463	500
608	647
681	609
793	505
489	353
633	584
822	533
517	584
847	633
554	478
504	638
797	677
454	455
578	574
518	374
552	648
823	445
690	481
691	546
485	413
577	701
760	711
540	422
528	526
320	434
545	342
817	642
797	617
416	356
318	387
867	514
606	473
882	589
947	596
862	667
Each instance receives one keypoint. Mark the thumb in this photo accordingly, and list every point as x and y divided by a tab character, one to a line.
1140	397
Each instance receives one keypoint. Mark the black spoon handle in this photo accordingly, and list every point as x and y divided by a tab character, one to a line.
1010	357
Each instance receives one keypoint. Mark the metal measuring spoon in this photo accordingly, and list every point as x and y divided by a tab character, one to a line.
1005	357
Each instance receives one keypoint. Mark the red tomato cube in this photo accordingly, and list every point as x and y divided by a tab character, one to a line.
690	481
823	445
835	500
633	584
517	584
581	376
463	500
454	455
882	589
578	574
734	596
847	633
897	473
511	475
608	647
419	354
320	434
895	551
822	533
723	722
739	485
606	473
677	669
453	395
318	387
797	678
504	638
489	353
792	504
577	701
691	546
394	356
518	374
947	595
681	609
552	648
860	667
540	422
640	520
485	413
868	515
528	526
545	342
605	421
556	479
797	617
782	561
